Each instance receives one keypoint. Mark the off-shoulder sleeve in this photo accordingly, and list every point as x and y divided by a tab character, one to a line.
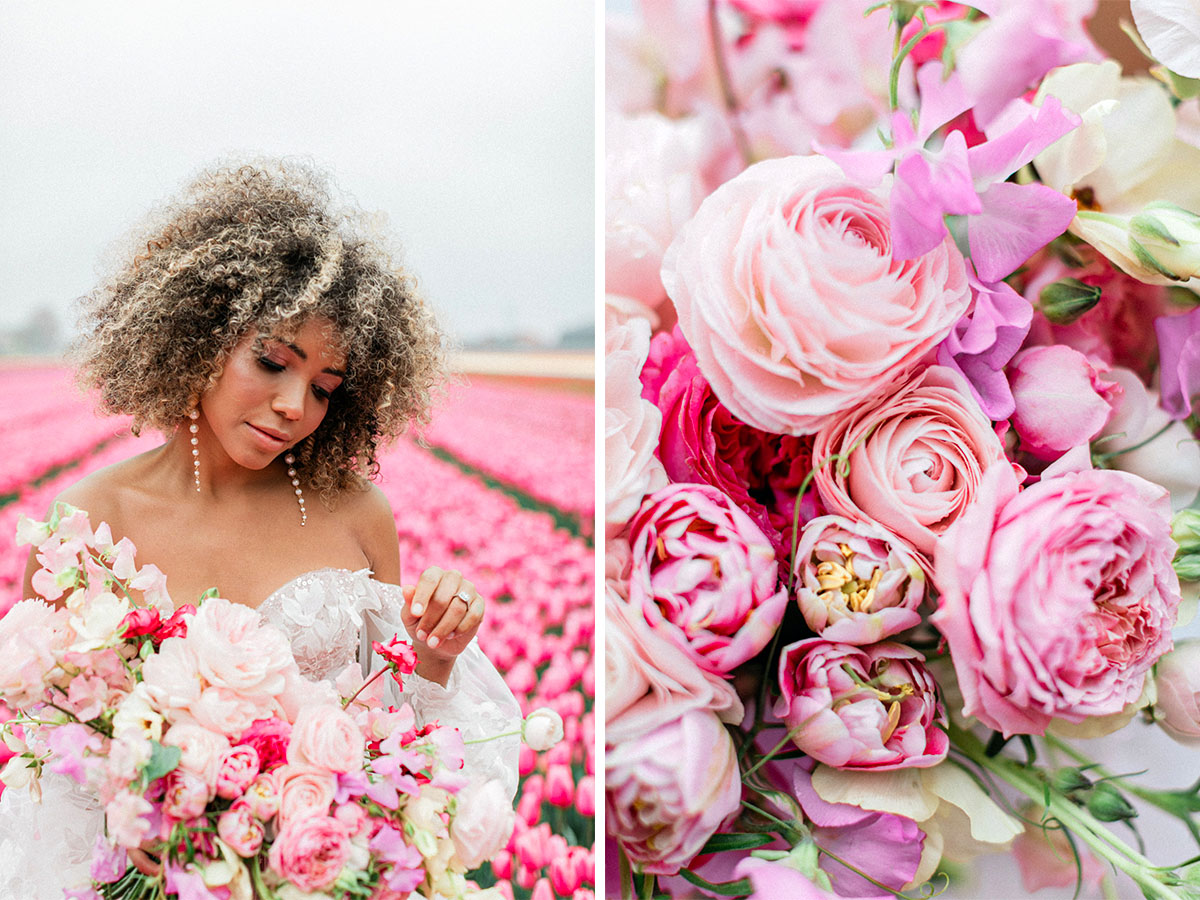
475	700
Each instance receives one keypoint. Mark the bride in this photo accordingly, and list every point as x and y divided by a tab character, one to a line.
269	334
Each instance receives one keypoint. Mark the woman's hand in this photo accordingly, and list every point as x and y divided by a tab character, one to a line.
442	613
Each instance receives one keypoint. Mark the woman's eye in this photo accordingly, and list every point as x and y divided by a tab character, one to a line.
321	393
269	364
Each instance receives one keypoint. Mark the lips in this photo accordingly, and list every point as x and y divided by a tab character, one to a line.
270	433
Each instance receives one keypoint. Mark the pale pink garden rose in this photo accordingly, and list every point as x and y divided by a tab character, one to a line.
873	708
304	792
704	576
237	650
1062	399
311	852
915	458
856	583
1057	600
788	294
631	425
1177	677
670	789
326	737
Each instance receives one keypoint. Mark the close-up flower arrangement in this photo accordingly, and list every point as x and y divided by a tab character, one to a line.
902	358
214	761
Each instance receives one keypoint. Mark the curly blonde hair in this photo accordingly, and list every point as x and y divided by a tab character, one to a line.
263	247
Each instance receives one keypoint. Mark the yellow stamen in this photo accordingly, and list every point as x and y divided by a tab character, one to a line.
893	720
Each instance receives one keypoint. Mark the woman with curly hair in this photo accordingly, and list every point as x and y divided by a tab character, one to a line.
269	335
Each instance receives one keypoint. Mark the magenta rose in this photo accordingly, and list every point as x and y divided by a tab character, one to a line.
310	853
704	575
788	293
912	459
1057	600
853	707
701	441
855	582
670	789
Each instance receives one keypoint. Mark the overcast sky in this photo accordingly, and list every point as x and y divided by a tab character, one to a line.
469	124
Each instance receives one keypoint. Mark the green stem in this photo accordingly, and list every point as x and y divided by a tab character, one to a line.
625	874
494	737
898	60
346	703
1102	841
731	103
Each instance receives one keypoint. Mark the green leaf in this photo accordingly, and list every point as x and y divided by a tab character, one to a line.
740	888
162	760
719	842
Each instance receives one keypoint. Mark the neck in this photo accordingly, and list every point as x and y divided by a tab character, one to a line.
220	476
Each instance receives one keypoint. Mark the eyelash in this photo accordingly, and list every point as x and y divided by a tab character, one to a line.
271	366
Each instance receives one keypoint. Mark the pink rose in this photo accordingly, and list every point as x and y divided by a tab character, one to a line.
185	796
269	738
261	798
1057	600
304	792
326	737
238	828
1177	677
311	852
788	293
704	575
914	458
239	768
853	707
237	650
203	750
1062	399
855	582
670	790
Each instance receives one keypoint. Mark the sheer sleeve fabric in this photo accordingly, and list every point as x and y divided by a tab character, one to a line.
47	846
476	700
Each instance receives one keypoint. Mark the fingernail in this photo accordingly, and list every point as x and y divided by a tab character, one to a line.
433	641
421	634
417	609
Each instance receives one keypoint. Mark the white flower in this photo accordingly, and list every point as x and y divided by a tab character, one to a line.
98	621
136	716
1171	29
30	531
542	729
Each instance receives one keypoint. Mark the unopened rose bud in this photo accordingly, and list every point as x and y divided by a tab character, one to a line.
1166	238
1067	299
1106	804
542	729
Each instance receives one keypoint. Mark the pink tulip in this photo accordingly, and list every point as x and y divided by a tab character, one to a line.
585	796
502	865
560	786
559	754
542	891
565	876
521	678
527	760
505	888
526	877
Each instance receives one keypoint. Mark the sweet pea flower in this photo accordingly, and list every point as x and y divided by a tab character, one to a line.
669	791
33	634
792	300
855	582
872	707
1171	29
1071	581
704	575
1179	349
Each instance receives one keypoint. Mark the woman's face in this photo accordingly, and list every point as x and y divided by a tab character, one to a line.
272	395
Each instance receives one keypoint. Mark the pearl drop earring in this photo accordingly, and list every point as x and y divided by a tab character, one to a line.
194	414
290	459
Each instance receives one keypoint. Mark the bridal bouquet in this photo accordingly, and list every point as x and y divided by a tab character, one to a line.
204	746
902	364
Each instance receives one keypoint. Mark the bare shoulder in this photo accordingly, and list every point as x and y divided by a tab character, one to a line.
102	494
366	512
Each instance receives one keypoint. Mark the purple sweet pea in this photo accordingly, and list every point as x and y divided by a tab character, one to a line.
1179	352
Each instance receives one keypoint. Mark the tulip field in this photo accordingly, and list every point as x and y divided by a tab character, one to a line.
502	490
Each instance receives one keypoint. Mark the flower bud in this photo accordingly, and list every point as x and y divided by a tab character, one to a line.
542	729
1166	238
1067	299
1069	779
1185	531
1107	804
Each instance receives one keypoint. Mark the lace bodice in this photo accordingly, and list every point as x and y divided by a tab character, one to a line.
330	616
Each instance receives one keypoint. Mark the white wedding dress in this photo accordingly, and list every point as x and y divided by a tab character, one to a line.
330	616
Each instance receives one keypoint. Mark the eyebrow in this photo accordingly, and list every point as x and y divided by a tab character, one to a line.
304	356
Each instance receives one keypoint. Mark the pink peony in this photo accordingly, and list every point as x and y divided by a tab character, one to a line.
1057	600
855	582
913	458
236	650
788	293
1177	677
704	575
239	767
1062	399
853	707
669	790
326	737
304	792
311	852
203	750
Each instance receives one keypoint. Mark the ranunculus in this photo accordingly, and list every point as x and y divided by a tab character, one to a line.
631	425
788	293
1057	600
855	582
311	852
669	790
704	575
1177	678
853	707
1062	399
483	823
185	796
325	736
913	458
304	792
262	797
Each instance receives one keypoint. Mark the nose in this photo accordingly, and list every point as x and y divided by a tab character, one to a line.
289	402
